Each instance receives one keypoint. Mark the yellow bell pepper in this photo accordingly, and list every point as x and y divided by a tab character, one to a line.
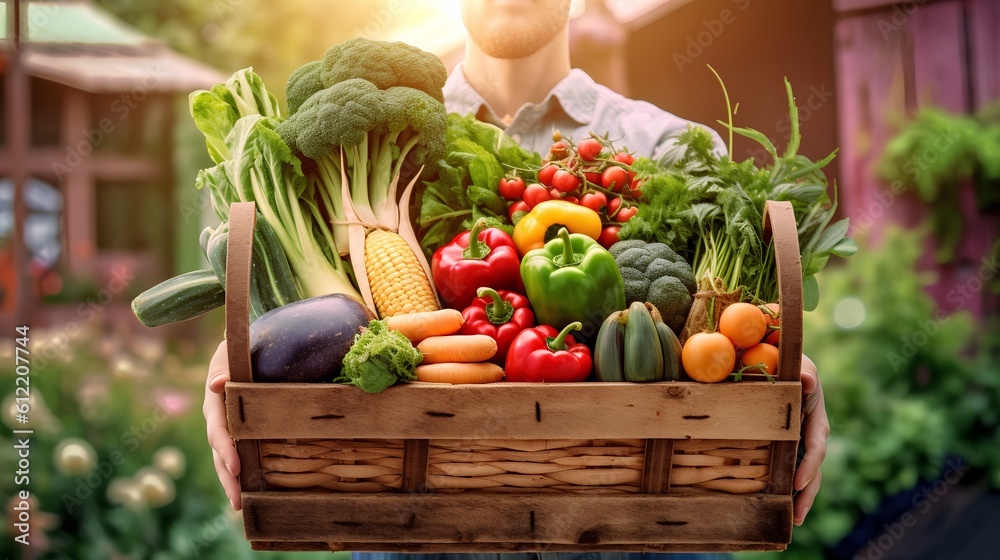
544	220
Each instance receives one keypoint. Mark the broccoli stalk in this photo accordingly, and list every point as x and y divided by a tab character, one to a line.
364	130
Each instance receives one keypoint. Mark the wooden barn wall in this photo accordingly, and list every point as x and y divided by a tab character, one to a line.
892	59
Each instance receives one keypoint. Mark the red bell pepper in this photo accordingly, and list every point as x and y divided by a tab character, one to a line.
547	355
476	258
500	315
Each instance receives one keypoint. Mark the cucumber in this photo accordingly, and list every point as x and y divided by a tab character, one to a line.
180	298
669	344
608	360
643	355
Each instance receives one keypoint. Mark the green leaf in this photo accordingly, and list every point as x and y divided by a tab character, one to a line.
832	236
793	115
756	136
845	248
815	263
810	293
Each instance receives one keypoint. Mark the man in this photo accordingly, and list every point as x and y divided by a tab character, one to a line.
517	75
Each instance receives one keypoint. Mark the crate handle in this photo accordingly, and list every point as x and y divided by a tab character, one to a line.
239	251
779	226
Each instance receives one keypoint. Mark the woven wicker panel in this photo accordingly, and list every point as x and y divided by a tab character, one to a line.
731	466
536	466
338	465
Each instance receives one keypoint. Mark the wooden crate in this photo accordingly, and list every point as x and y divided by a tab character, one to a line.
671	466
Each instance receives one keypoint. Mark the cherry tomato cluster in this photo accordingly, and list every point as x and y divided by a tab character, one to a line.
592	173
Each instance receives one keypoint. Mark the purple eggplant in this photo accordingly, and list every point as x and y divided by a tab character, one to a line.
305	341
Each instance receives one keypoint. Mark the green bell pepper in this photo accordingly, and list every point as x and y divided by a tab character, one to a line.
572	278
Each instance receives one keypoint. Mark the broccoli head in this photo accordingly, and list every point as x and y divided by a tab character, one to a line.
399	119
654	273
385	64
304	81
342	115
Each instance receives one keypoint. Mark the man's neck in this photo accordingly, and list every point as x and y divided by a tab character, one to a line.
509	84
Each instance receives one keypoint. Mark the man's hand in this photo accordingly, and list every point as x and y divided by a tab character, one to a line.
815	430
227	461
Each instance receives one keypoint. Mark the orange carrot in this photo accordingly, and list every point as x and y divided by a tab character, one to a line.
481	372
418	326
464	348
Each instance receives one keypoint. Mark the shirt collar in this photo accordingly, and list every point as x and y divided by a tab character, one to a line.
576	95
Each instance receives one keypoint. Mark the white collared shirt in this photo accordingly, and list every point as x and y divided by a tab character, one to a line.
576	106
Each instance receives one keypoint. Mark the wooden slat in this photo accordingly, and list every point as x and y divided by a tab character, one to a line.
782	467
512	518
671	410
415	465
983	22
251	477
656	466
508	547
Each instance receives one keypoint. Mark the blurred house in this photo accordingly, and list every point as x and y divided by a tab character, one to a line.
94	116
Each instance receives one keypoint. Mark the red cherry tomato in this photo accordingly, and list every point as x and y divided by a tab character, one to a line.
565	181
613	204
625	214
589	149
614	179
609	236
512	189
555	194
572	199
624	157
636	190
535	193
519	206
596	201
593	177
546	173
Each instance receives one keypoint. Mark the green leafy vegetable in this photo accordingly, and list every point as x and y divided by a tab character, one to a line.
466	186
379	358
711	208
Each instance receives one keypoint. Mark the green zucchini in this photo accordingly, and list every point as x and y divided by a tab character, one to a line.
275	285
669	344
608	348
643	356
180	298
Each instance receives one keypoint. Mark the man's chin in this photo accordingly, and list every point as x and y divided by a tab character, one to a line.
505	45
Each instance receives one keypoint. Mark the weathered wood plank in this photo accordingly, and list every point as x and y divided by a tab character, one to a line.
415	465
509	518
656	466
983	22
508	547
782	467
673	410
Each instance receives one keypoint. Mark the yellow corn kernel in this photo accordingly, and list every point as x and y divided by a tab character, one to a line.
398	282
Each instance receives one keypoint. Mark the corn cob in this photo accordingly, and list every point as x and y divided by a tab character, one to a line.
398	282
